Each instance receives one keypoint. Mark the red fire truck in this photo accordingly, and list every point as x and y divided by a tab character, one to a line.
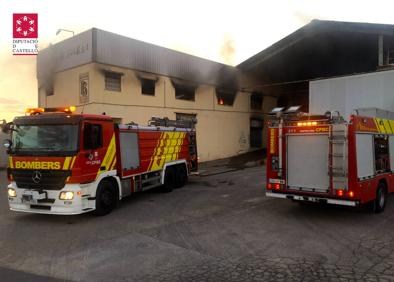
66	163
326	159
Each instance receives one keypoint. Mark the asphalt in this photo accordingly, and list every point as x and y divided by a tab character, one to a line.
217	228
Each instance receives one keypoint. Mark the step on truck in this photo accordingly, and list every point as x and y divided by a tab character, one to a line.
327	159
65	163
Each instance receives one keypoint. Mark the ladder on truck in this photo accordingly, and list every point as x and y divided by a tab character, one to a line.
338	159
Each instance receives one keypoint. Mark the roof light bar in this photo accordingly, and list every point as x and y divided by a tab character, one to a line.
34	111
309	123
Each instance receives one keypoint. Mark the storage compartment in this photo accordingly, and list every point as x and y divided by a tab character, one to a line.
129	150
307	162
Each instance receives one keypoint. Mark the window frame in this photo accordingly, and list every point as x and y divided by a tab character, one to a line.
222	94
86	135
114	76
142	81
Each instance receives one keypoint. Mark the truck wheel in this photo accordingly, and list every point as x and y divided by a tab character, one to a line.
106	198
381	198
180	176
169	180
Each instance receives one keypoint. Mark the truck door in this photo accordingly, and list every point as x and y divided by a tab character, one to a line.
98	149
307	162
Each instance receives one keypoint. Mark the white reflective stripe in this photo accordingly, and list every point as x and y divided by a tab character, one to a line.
312	199
275	195
342	202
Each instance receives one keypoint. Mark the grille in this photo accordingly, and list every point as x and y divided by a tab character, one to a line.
50	179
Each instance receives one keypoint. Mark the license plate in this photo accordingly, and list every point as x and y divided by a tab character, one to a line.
32	196
277	181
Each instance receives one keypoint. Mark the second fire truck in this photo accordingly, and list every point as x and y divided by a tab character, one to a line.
327	159
66	163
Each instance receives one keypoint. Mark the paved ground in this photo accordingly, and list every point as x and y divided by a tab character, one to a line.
218	228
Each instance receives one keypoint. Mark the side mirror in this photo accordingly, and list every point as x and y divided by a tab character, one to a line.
7	143
5	127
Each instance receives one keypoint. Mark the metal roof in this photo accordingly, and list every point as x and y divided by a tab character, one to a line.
320	49
108	48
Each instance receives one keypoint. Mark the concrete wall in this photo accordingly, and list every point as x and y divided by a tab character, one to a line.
222	131
3	155
344	94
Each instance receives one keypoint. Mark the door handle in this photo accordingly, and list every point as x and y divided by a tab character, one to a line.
102	168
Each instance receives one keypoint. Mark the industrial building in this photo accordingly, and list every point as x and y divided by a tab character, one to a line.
320	49
132	81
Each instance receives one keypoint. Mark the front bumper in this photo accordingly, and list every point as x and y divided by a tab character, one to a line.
313	199
80	204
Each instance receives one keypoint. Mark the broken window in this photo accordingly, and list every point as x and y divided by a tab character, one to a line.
148	86
256	101
225	97
184	90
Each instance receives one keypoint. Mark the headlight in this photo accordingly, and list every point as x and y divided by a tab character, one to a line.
11	193
66	195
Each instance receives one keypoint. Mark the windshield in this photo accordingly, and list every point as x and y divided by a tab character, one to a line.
39	139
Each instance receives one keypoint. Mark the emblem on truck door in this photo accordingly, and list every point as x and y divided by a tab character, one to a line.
36	177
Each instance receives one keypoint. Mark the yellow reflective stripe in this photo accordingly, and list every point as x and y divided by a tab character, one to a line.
386	123
72	162
391	125
170	144
71	167
380	125
66	163
109	156
113	165
11	163
152	158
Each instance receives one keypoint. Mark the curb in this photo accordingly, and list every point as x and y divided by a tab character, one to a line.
226	169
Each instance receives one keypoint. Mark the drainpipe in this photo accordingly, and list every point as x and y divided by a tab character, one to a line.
380	50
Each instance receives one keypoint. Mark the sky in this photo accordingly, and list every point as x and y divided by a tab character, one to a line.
223	31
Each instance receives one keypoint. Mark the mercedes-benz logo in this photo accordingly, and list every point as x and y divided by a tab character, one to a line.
36	177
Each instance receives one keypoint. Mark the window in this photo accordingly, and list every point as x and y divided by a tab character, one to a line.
148	86
184	90
92	136
186	117
48	139
224	97
382	159
113	81
256	101
186	120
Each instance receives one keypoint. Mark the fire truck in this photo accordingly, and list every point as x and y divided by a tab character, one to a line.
327	159
65	163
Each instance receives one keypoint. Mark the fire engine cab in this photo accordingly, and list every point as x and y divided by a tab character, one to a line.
66	163
327	159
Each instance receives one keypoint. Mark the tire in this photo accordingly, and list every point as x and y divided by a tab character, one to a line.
381	198
169	180
106	198
180	176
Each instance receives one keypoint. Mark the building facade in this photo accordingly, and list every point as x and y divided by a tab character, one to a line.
101	72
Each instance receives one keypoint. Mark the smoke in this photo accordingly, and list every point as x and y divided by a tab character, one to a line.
302	17
6	101
227	50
